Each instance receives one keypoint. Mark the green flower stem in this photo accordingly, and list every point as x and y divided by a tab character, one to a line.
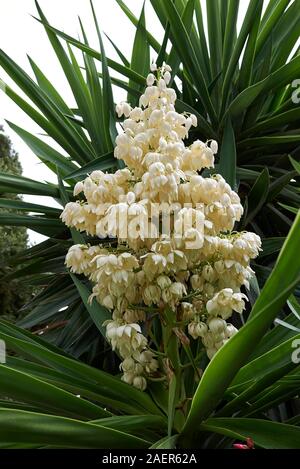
173	366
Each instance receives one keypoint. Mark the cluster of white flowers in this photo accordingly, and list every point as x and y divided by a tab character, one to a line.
197	270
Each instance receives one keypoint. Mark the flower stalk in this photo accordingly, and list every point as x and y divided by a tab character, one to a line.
178	265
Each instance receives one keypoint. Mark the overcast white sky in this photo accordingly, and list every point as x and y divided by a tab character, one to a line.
20	35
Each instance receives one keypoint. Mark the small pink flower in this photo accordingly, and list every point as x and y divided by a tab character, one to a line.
249	445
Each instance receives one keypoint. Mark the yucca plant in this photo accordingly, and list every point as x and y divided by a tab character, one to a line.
242	99
48	399
240	88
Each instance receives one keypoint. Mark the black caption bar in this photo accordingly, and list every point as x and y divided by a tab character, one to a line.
141	459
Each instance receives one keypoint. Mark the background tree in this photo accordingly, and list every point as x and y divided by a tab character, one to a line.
13	239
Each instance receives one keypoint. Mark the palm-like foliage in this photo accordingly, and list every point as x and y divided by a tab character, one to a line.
240	86
241	99
56	401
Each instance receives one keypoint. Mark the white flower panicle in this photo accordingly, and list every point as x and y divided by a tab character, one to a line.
196	267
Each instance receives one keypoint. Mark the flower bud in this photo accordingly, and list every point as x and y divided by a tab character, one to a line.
163	281
217	325
150	79
128	378
192	330
128	365
108	302
194	120
167	77
208	273
139	382
78	188
187	310
162	84
214	146
188	123
201	329
230	330
136	114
